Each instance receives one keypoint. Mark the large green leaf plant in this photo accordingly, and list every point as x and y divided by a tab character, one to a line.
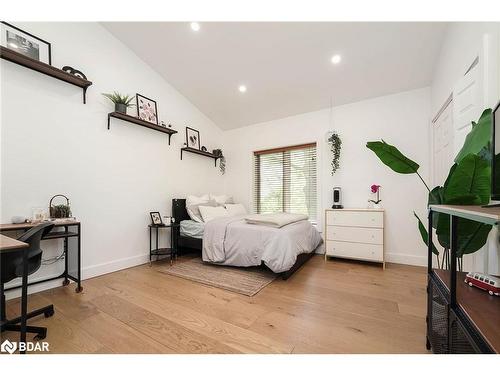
468	183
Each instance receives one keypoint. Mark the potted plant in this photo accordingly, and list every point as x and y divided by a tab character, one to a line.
59	211
468	183
335	147
122	102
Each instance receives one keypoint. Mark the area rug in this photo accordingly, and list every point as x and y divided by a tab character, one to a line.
246	281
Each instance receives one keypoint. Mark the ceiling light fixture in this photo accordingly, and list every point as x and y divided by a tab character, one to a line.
242	88
195	26
336	59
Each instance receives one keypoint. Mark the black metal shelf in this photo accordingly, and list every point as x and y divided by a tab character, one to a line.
27	62
138	121
200	152
52	235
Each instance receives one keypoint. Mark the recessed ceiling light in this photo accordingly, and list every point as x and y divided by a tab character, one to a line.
242	88
195	26
336	59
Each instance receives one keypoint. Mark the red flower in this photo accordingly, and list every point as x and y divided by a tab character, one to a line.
375	188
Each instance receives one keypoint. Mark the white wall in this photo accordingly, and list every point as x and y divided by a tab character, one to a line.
400	119
52	143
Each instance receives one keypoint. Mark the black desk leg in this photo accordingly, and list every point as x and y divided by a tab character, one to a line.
79	288
24	300
150	244
66	280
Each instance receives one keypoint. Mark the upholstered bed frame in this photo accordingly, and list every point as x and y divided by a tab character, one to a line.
189	244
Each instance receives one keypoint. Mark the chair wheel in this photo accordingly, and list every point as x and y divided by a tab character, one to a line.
65	282
79	289
48	314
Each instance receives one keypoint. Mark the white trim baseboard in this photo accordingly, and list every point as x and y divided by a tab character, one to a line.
411	260
87	273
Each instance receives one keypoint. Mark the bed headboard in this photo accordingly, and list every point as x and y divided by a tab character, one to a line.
179	211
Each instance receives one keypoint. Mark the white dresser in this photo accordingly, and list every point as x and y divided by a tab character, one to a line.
355	233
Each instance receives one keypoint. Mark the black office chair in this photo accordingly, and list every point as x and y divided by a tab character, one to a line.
11	267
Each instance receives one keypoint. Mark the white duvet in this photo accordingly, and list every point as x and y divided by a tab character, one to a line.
232	241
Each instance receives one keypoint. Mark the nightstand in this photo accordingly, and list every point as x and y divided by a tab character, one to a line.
160	251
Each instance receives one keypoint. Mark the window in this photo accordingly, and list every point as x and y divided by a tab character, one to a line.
285	180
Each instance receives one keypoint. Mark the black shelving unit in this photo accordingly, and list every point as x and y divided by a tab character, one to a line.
27	62
138	121
200	152
460	319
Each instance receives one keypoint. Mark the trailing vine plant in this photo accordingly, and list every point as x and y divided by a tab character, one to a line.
335	146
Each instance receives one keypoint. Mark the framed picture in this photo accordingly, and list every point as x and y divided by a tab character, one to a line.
156	218
25	43
192	138
146	109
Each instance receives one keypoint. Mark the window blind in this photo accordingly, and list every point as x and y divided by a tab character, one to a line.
285	180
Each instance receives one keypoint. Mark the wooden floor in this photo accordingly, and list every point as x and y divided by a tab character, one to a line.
326	307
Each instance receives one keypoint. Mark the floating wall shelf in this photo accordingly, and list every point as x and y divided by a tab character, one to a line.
199	152
17	58
138	121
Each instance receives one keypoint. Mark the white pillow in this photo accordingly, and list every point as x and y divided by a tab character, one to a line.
221	199
209	213
192	203
236	209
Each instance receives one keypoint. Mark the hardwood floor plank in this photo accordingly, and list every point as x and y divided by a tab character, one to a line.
326	307
172	335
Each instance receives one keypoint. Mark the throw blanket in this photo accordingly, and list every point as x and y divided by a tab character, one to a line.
277	220
232	241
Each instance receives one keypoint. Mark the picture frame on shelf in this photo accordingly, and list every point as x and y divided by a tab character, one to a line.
147	109
156	218
25	43
192	138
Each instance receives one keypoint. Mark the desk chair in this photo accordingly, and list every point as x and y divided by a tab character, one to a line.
11	267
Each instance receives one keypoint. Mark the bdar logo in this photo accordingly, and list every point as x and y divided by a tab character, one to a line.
8	347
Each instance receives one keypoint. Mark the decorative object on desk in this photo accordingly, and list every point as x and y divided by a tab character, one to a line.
203	148
375	203
39	214
75	72
337	198
489	283
167	220
162	123
335	146
122	102
192	138
222	161
468	183
156	218
25	43
18	219
146	109
59	211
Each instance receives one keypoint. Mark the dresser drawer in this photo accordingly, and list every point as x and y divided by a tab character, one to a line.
355	234
370	219
355	250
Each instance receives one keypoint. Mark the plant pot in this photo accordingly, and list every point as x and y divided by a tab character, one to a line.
120	107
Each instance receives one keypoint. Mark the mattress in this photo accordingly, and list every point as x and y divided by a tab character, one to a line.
191	228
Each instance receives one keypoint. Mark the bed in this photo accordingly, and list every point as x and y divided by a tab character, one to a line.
276	241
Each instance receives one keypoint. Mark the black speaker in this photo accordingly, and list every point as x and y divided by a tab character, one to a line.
337	197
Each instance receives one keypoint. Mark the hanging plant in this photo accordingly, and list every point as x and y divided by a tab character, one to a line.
335	146
222	160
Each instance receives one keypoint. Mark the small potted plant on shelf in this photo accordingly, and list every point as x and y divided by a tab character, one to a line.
122	102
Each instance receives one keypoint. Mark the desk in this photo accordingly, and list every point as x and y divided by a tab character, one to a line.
7	245
10	244
71	229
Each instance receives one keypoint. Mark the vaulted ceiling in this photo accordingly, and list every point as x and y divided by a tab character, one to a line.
286	67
